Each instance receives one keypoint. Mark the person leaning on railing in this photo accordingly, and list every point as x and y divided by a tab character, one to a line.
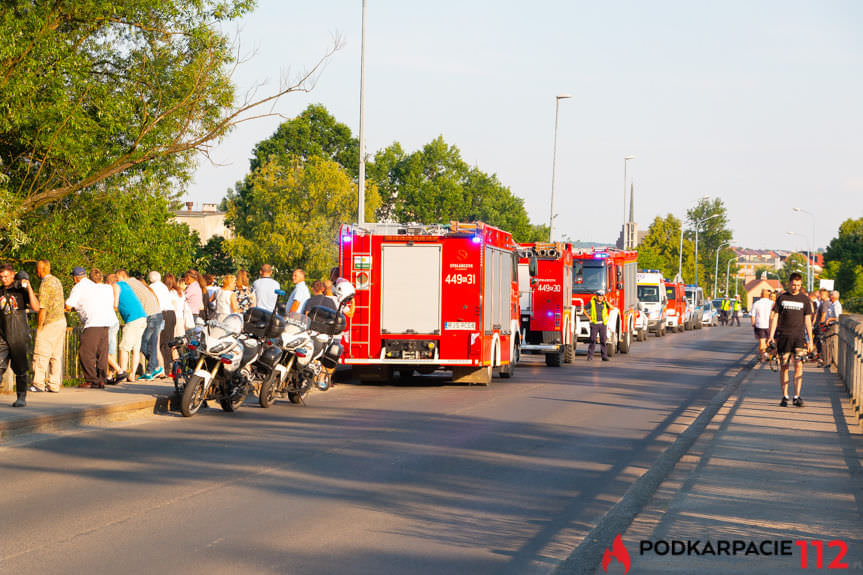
832	312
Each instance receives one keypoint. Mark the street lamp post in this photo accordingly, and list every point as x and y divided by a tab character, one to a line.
625	159
727	270
808	260
716	268
680	251
361	184
810	280
557	100
698	225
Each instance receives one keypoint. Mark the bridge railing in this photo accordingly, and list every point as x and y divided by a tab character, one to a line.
849	359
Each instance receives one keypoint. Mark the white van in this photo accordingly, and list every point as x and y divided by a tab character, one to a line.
652	299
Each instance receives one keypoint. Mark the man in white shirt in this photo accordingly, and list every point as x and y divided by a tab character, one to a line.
94	302
300	294
833	310
169	319
265	288
761	321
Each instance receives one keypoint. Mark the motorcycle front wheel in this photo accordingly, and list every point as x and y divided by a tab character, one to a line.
267	395
193	396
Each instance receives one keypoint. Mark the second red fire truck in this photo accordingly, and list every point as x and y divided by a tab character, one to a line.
430	297
549	323
612	271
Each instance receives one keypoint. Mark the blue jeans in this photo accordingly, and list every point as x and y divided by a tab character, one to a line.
150	340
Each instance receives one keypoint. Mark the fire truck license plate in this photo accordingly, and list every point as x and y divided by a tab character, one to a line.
459	325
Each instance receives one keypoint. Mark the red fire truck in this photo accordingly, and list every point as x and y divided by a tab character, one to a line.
676	310
429	297
548	322
612	271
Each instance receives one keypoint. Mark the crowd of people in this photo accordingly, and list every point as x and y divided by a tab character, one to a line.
145	313
797	325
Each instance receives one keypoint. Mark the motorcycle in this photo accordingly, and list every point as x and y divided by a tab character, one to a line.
215	364
304	352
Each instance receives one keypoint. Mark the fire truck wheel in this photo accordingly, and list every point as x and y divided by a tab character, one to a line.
568	353
611	344
406	373
661	331
553	359
507	370
626	341
698	324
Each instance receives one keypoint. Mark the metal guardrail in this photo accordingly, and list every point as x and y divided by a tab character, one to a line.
849	359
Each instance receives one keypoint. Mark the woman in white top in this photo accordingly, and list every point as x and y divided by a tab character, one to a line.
226	299
183	313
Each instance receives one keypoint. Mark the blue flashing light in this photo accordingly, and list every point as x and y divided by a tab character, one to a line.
549	314
346	239
600	255
476	239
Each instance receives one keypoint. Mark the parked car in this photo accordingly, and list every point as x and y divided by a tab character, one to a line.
710	317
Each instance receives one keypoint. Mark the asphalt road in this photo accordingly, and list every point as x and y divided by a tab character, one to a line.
422	477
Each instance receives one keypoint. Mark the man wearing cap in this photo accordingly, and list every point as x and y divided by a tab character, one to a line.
50	332
599	308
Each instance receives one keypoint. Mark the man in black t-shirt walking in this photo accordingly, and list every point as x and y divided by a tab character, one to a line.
790	322
15	297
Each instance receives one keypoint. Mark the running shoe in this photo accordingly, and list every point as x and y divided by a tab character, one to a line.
798	401
158	372
784	402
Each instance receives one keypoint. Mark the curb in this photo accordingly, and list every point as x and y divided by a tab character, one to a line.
585	558
72	418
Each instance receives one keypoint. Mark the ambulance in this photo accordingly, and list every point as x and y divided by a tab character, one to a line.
653	300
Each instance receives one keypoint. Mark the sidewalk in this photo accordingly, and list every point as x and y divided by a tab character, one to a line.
72	407
760	472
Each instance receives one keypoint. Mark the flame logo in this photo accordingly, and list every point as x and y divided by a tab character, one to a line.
619	552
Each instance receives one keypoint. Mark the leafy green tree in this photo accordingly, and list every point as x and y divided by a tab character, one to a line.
131	228
660	248
435	184
794	263
315	132
111	92
291	215
844	263
213	257
711	218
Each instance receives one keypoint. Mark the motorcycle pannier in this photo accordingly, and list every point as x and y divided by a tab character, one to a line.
327	320
257	320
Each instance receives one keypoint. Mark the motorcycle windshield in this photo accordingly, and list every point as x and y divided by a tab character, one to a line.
296	322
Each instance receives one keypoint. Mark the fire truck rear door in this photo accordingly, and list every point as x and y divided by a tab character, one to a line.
411	291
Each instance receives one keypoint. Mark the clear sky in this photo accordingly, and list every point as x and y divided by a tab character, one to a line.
757	102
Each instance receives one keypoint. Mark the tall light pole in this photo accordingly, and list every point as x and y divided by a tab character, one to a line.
808	258
698	225
361	185
810	284
625	159
557	100
727	270
680	251
716	268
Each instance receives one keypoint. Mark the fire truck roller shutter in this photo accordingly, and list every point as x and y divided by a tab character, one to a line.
411	291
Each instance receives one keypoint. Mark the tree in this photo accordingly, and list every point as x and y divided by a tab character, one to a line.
794	263
291	214
436	185
314	133
660	248
213	257
843	261
131	228
711	218
112	92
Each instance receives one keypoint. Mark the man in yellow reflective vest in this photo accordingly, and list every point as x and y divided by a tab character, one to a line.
599	308
735	307
724	308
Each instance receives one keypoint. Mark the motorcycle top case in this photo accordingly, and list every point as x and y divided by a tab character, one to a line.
327	320
257	320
